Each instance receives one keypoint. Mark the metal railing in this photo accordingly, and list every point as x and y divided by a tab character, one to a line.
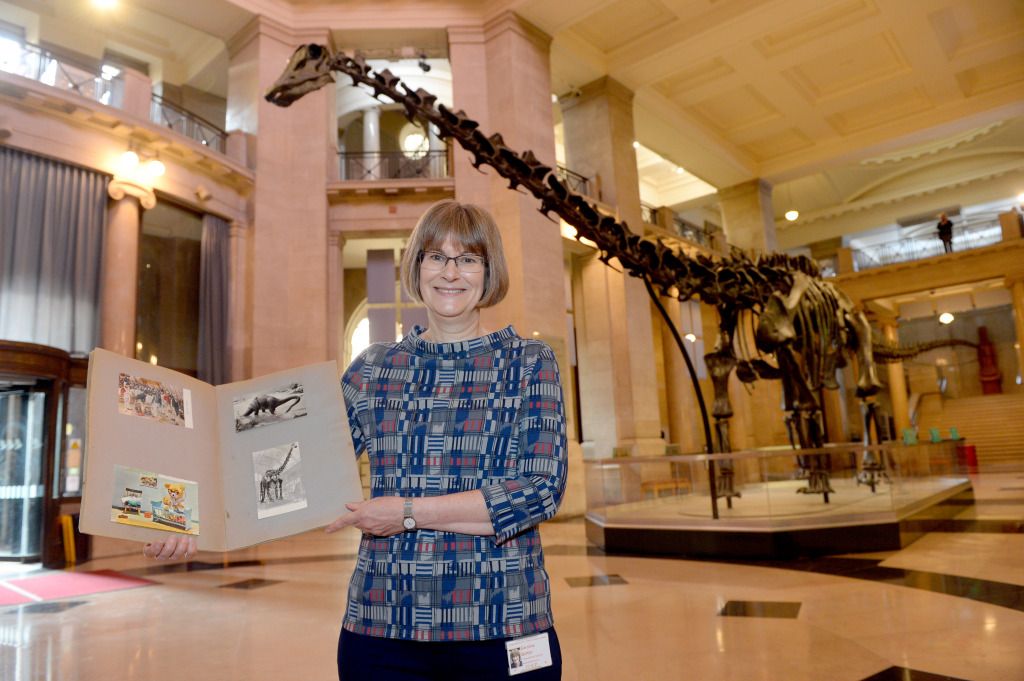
975	234
393	165
574	182
694	233
32	61
183	121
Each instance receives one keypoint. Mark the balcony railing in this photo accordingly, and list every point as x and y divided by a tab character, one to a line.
574	182
183	121
31	61
694	233
393	165
976	234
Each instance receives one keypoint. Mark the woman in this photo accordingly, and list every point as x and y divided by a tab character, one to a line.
465	432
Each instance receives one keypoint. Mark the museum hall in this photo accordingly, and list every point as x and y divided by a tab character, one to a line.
775	248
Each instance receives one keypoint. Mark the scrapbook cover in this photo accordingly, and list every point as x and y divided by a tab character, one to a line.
234	465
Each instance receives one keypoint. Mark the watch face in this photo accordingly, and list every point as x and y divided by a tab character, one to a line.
409	523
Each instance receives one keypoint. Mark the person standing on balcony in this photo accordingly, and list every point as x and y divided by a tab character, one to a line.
945	231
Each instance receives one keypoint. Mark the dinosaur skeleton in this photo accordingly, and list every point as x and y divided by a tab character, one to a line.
802	321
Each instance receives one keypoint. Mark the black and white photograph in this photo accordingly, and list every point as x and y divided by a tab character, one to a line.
278	478
263	409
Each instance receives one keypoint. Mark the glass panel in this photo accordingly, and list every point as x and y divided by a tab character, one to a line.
22	416
72	463
167	317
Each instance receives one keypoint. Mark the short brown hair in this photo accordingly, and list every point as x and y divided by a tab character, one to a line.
473	230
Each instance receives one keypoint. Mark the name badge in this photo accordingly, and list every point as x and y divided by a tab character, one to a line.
528	653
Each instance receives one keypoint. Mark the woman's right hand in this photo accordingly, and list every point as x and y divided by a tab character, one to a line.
174	547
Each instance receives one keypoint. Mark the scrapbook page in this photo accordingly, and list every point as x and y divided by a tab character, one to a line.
263	458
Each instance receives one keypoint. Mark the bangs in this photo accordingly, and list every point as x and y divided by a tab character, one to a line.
458	226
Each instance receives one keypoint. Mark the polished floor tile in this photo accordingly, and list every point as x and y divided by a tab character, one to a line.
942	608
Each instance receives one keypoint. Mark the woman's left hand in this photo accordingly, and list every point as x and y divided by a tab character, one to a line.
381	516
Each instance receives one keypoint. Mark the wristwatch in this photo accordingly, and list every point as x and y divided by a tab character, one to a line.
408	522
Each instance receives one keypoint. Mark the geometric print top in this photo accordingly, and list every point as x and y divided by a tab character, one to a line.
438	418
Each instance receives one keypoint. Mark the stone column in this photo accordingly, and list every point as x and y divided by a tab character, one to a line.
685	427
238	337
293	151
468	58
371	143
749	221
120	276
1016	287
335	297
618	380
897	381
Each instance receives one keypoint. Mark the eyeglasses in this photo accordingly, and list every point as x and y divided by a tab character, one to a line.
466	263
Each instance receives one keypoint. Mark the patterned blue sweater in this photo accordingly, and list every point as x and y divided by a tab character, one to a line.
438	418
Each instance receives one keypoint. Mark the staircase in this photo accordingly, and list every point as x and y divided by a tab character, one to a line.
994	424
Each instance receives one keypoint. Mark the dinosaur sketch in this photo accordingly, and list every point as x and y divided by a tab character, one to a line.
804	323
272	483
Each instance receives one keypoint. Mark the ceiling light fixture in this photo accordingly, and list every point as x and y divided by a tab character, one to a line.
946	318
636	145
690	337
792	215
104	4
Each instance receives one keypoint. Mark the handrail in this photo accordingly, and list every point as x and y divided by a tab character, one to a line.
965	238
781	450
574	182
393	165
180	119
50	69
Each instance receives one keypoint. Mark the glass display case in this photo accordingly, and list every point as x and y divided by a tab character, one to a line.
664	504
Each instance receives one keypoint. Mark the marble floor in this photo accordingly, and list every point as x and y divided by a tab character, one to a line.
949	606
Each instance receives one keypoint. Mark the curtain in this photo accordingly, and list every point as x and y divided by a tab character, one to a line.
52	230
214	264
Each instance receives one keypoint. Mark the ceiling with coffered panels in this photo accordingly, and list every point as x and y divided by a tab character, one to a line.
797	92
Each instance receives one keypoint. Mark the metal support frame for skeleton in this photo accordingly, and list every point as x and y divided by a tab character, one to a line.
802	321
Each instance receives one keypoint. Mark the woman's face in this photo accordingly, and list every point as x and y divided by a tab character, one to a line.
449	293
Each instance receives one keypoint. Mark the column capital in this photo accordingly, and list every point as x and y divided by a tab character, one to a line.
336	240
120	187
237	229
510	21
603	86
466	35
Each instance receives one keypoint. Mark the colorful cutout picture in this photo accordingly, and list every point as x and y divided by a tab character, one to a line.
263	409
278	480
154	500
151	399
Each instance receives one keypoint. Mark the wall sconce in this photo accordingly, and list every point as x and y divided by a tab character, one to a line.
134	176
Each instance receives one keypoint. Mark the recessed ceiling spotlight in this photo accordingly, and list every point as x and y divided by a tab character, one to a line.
104	4
636	145
946	318
792	215
679	171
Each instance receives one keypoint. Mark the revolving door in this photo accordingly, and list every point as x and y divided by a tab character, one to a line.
39	457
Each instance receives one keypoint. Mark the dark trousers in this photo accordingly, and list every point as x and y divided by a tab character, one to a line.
370	658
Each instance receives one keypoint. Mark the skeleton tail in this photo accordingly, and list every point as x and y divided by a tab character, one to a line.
886	353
